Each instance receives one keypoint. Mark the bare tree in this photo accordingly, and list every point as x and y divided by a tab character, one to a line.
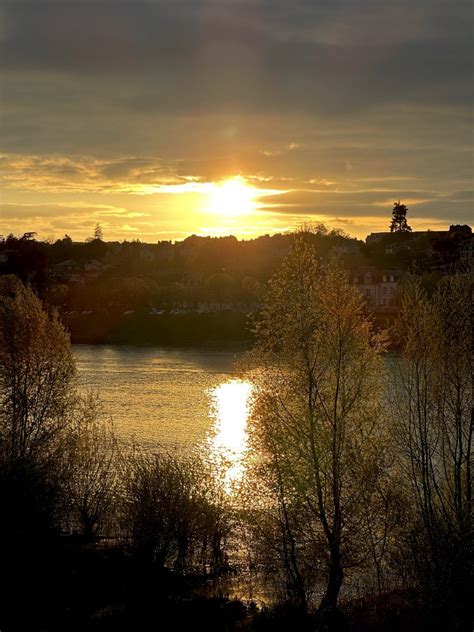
432	409
90	469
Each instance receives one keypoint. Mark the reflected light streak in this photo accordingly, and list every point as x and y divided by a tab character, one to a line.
228	440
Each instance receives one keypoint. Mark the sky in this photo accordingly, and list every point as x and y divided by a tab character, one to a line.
159	119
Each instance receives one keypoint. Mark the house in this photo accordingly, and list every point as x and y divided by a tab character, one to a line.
379	287
67	269
93	268
76	271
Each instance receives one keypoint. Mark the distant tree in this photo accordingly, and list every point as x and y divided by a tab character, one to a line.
251	290
28	236
98	232
220	287
399	222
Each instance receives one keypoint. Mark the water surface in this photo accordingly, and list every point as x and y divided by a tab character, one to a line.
183	398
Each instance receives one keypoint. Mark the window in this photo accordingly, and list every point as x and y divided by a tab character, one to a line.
385	278
383	301
392	291
367	292
384	290
391	278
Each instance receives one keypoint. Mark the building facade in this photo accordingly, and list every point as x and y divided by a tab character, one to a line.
378	287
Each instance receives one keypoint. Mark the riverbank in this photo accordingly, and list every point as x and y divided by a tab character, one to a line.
177	328
223	329
104	588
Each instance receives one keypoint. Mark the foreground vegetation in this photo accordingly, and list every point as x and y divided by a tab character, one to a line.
355	512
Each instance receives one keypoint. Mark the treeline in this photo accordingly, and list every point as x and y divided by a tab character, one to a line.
197	272
355	511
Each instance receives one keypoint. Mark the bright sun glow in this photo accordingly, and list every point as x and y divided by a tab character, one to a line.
231	401
233	197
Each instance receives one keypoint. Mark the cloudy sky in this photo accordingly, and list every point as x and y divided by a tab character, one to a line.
137	114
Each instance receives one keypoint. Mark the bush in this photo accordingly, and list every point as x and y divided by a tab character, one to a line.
174	514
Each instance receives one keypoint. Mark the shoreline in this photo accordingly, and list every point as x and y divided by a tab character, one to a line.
192	330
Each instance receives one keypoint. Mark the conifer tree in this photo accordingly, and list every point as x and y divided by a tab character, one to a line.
399	222
98	232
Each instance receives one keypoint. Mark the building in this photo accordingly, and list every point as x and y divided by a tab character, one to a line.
76	271
379	287
435	250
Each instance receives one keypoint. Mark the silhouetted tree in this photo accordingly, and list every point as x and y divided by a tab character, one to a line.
98	232
90	472
399	222
56	452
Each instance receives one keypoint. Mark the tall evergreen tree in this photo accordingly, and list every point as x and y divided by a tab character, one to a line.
98	232
399	222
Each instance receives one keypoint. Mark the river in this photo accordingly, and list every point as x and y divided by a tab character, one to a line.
183	398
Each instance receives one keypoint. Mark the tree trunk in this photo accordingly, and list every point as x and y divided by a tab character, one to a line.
336	575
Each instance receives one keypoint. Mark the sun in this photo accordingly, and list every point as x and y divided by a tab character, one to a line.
232	197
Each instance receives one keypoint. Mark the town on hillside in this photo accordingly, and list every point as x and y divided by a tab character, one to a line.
97	282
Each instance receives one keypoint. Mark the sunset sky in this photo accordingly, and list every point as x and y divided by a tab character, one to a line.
159	119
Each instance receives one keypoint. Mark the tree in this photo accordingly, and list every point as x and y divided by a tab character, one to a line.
28	236
56	454
316	415
433	420
98	232
36	374
174	512
220	288
251	290
399	222
89	464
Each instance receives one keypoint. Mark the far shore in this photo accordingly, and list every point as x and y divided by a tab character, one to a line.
226	329
191	329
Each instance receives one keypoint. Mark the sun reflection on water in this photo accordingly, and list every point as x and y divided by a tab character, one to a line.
228	439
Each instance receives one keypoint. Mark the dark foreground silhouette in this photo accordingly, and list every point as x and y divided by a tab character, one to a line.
65	585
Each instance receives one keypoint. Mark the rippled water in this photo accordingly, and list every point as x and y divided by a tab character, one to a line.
171	397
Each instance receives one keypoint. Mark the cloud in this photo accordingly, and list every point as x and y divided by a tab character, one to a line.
348	103
319	57
31	212
55	173
347	206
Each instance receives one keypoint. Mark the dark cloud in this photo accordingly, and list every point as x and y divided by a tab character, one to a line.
250	56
